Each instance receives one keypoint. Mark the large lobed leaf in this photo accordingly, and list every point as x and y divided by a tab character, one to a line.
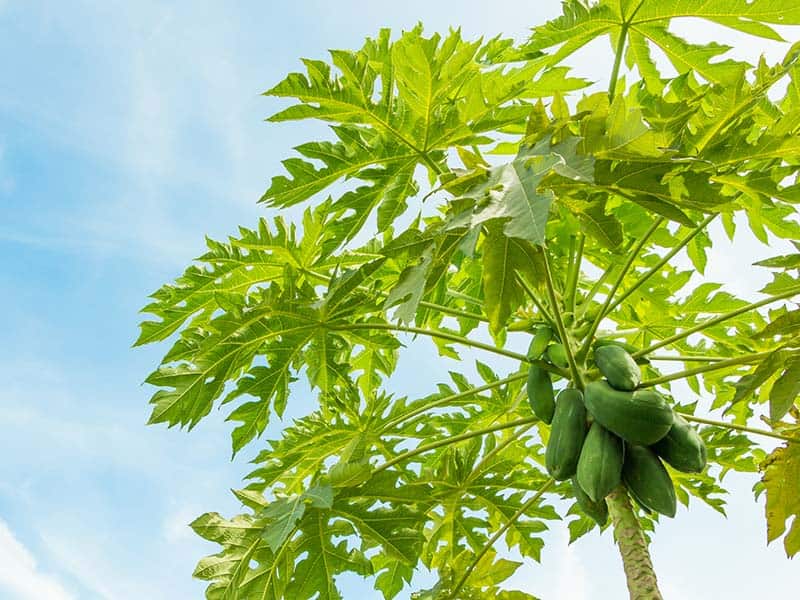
377	485
647	23
781	474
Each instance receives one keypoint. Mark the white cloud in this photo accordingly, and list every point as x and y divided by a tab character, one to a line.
571	580
21	576
175	528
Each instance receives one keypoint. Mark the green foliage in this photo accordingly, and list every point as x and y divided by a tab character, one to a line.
491	196
781	471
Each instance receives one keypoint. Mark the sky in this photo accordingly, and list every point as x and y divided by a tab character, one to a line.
128	132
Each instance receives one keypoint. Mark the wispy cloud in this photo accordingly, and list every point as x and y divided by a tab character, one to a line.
19	573
84	554
113	475
571	580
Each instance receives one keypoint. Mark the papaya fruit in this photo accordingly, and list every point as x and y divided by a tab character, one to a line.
522	325
581	329
682	447
640	417
629	348
541	338
618	367
648	480
566	435
647	510
604	342
596	510
540	393
557	355
600	464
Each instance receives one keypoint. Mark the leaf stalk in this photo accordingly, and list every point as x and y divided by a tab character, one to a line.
748	359
498	534
743	428
632	255
451	440
721	318
562	331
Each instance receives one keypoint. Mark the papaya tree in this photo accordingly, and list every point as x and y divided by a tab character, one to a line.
475	194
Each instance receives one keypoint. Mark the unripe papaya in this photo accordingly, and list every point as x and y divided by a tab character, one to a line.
557	355
566	435
646	509
596	510
539	342
600	465
640	417
522	325
603	342
618	367
540	393
581	329
648	480
629	348
682	447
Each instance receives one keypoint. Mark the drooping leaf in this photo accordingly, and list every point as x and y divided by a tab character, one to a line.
786	389
781	474
505	259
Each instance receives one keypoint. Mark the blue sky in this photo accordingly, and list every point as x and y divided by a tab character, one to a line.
128	131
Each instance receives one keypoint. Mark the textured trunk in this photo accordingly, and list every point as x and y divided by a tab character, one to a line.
632	544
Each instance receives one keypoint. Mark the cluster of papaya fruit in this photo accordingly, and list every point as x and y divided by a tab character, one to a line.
612	432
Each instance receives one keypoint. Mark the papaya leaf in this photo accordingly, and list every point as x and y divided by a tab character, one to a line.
649	22
780	476
786	389
504	260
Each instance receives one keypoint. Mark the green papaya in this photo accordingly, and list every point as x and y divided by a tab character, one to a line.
648	480
566	435
581	329
645	509
640	417
522	325
557	355
600	464
682	447
540	393
605	342
596	510
539	342
618	367
629	348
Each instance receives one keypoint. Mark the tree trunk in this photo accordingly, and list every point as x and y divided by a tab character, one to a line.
632	544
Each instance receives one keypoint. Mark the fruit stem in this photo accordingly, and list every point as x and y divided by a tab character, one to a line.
642	583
